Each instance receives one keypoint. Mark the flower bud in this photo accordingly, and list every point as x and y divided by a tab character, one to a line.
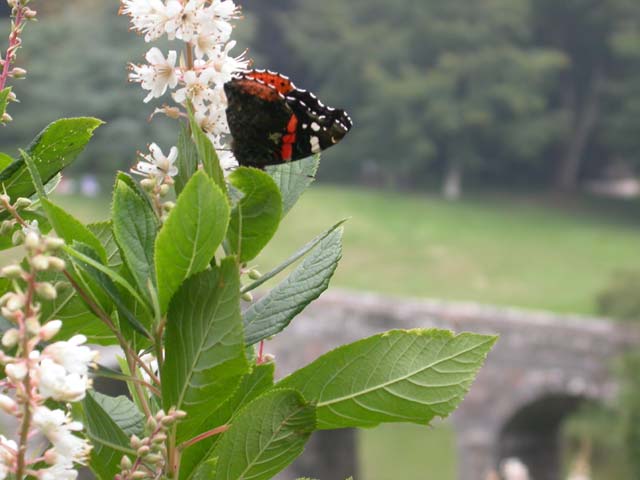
147	184
247	297
143	450
54	243
17	73
254	274
16	371
125	463
15	302
22	203
8	404
46	291
5	199
10	338
30	14
153	458
12	271
33	326
50	330
268	358
40	262
164	190
168	206
17	238
6	227
57	264
32	240
139	475
12	97
6	118
135	441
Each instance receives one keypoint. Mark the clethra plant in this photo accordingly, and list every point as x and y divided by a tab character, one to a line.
164	280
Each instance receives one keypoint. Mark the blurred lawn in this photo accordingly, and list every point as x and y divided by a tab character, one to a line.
501	250
497	249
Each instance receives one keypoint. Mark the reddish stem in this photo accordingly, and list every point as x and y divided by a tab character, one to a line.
202	436
14	42
260	353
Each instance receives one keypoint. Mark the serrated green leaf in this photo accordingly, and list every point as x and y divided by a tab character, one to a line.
293	178
190	236
109	440
253	384
265	437
292	259
187	161
53	149
71	229
273	312
204	345
135	227
398	376
255	218
123	412
206	153
103	232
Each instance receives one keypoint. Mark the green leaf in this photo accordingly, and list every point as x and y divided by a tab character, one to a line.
274	311
104	232
253	384
4	100
71	229
293	178
5	161
265	437
292	259
189	238
85	258
52	150
123	412
255	218
204	345
206	153
398	376
110	442
35	175
135	227
76	317
187	162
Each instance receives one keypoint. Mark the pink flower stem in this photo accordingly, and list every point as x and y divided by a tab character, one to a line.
14	43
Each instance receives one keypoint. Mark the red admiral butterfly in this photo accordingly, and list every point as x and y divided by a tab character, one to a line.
272	122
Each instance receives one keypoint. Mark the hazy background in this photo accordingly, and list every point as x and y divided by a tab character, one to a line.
494	155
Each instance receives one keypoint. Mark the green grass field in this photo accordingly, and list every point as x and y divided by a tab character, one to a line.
499	249
496	249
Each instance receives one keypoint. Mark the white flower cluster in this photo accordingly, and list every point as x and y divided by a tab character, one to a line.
205	27
58	372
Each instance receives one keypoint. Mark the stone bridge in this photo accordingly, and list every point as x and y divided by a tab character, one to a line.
542	368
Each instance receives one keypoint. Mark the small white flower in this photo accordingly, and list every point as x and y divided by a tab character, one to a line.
225	66
31	226
57	426
55	382
213	121
183	23
16	371
149	17
196	87
50	330
156	164
151	362
59	471
8	454
72	354
228	161
158	75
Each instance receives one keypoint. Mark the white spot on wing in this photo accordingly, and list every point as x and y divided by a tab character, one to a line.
315	144
315	127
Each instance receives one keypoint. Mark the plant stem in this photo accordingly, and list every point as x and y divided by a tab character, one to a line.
202	436
14	43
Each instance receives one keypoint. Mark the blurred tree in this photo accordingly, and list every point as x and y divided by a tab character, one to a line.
455	85
595	36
